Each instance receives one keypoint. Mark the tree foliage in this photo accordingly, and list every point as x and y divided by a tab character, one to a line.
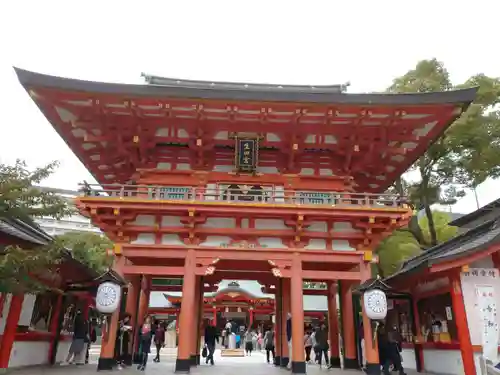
465	155
403	244
20	198
20	267
89	248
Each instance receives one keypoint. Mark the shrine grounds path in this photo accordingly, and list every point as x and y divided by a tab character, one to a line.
254	365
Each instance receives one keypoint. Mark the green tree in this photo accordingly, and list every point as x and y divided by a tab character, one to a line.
465	155
20	199
402	244
89	248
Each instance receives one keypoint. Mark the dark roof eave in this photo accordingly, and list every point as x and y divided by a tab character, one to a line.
466	219
30	79
28	232
396	276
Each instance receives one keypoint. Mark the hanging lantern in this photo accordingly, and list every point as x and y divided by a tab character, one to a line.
375	304
108	297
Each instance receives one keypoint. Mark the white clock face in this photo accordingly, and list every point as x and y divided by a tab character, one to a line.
375	303
108	297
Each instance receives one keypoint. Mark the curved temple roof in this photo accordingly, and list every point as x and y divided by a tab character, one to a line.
235	91
372	138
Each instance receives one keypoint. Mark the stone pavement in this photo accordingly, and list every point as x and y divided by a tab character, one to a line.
254	365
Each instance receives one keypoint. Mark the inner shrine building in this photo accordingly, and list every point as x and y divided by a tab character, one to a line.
211	181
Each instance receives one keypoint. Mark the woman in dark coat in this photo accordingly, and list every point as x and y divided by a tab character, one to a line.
322	343
145	338
159	338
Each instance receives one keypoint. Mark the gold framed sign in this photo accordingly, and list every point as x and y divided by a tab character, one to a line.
246	154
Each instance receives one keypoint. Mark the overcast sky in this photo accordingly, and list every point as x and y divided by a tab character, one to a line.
324	42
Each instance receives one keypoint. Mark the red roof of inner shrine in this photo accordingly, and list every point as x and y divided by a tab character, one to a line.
116	129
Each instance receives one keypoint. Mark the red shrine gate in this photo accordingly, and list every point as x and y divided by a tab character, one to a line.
211	181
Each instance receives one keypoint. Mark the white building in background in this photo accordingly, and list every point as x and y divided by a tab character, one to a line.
74	223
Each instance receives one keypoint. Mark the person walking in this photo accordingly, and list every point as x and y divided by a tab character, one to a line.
322	343
159	339
211	338
308	344
269	344
315	346
145	339
393	352
80	332
92	339
248	337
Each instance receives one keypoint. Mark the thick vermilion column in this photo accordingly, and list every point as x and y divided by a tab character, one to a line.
199	308
196	322
371	345
53	327
250	312
348	327
278	300
466	348
285	355
215	317
297	309
9	333
132	307
107	360
186	326
333	327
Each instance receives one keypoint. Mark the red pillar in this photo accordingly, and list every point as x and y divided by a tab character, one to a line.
285	355
333	328
186	326
466	348
277	321
251	318
9	333
215	317
54	325
297	356
350	361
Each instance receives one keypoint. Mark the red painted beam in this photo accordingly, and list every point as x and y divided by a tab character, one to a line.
152	270
236	253
326	275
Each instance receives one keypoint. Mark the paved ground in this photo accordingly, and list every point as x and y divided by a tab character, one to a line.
254	365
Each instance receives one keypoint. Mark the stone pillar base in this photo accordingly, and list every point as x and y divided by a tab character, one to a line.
182	366
373	369
351	364
298	367
106	363
284	361
335	362
277	361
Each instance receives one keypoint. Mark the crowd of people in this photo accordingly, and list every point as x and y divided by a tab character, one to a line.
150	332
316	343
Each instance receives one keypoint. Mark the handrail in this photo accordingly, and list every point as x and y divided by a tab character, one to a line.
254	194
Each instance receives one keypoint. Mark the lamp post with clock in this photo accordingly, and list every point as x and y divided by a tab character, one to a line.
374	306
